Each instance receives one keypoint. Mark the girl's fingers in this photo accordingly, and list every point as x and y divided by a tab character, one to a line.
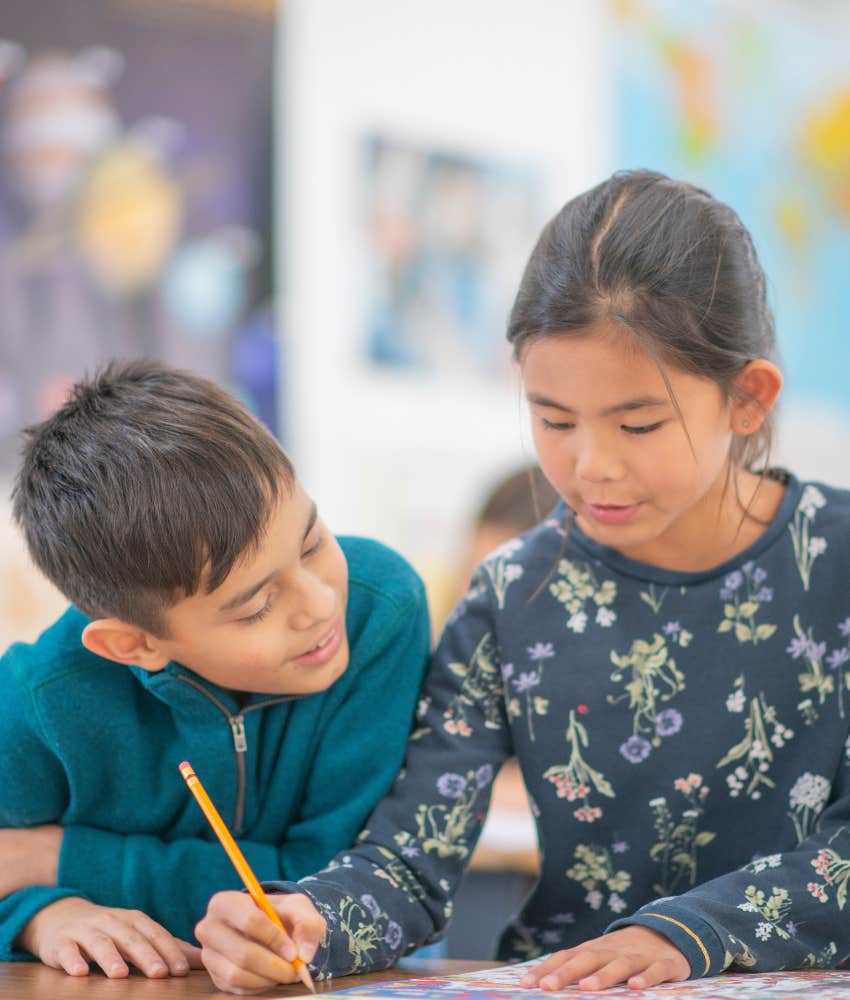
231	953
609	973
553	962
658	972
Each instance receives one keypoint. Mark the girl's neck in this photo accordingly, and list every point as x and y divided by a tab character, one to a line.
728	520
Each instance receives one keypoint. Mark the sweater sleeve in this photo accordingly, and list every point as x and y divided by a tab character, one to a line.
347	777
33	791
781	911
393	891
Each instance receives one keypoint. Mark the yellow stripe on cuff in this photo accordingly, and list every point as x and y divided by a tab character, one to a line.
687	930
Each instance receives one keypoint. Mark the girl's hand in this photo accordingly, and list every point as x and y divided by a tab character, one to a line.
29	857
244	952
633	955
65	934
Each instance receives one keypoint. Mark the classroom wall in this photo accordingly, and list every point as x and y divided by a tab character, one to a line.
407	458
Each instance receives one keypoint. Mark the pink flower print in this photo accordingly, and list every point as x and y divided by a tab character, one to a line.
817	890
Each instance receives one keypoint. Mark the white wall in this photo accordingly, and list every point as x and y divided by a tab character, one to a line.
406	460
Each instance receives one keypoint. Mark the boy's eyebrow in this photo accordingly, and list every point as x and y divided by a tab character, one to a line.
245	595
631	404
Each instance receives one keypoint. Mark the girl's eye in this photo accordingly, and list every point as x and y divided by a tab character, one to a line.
550	426
259	616
646	429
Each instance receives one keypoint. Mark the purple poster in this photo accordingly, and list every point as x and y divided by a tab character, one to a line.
135	195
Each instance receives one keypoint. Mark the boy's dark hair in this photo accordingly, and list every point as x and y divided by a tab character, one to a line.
146	482
666	261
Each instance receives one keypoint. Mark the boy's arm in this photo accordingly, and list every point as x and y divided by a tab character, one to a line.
349	776
782	911
33	793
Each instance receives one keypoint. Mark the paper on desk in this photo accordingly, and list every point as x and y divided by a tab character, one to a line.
498	983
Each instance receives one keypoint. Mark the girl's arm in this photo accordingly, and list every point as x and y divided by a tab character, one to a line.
782	911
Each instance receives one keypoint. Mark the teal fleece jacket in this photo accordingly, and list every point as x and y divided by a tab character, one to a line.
94	746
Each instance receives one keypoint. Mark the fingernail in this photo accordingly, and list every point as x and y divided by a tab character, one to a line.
117	968
527	981
158	969
78	969
547	983
181	968
289	951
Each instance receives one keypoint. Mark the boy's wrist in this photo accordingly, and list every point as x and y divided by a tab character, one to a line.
29	857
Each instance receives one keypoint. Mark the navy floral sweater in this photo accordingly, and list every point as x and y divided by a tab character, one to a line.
683	737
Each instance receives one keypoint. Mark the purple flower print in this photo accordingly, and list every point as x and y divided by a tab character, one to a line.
393	935
526	680
635	749
541	651
450	785
668	722
371	905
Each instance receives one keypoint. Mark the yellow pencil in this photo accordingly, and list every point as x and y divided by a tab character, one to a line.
239	862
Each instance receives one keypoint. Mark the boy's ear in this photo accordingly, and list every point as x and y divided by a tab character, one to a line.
757	387
116	640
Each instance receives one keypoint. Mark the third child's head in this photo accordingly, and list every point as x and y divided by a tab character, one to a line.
646	347
160	507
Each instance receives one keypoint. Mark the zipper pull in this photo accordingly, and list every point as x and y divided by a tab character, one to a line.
237	726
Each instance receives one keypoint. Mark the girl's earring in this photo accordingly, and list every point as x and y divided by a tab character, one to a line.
745	424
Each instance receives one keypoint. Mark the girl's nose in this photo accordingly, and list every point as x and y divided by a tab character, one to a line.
597	460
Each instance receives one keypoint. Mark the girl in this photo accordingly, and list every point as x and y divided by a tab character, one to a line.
668	654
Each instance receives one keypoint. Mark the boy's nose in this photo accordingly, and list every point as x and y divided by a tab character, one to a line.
317	602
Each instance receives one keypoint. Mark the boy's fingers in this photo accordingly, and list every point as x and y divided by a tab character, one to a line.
165	946
69	958
101	949
191	953
229	978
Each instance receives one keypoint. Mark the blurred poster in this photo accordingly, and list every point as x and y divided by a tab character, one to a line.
447	239
752	101
135	195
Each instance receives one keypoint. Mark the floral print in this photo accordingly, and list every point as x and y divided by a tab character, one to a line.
689	778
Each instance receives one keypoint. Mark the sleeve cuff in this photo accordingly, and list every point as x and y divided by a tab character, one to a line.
698	941
17	910
92	861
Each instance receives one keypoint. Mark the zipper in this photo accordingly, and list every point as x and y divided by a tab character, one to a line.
240	741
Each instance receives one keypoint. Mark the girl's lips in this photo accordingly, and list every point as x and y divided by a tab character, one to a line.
327	649
611	514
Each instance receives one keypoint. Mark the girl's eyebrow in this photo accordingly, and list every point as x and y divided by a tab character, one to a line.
631	404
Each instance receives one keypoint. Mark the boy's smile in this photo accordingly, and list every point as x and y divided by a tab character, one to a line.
276	625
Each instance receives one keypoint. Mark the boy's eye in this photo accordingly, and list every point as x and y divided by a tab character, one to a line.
258	616
645	429
313	548
553	426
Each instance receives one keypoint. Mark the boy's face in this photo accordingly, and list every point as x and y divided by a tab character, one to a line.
276	625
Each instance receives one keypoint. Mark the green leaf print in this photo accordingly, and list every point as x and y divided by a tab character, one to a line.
576	779
578	590
744	592
754	753
653	678
676	849
482	687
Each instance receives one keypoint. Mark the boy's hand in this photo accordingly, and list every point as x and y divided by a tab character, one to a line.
633	955
29	857
67	933
242	949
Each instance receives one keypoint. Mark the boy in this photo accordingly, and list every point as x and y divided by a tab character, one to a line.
214	618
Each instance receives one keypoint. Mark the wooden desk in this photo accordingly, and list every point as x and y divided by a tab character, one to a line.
33	981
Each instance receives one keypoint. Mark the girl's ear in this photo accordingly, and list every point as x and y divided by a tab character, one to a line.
115	640
756	389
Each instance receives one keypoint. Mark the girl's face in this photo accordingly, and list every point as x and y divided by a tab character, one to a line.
640	476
